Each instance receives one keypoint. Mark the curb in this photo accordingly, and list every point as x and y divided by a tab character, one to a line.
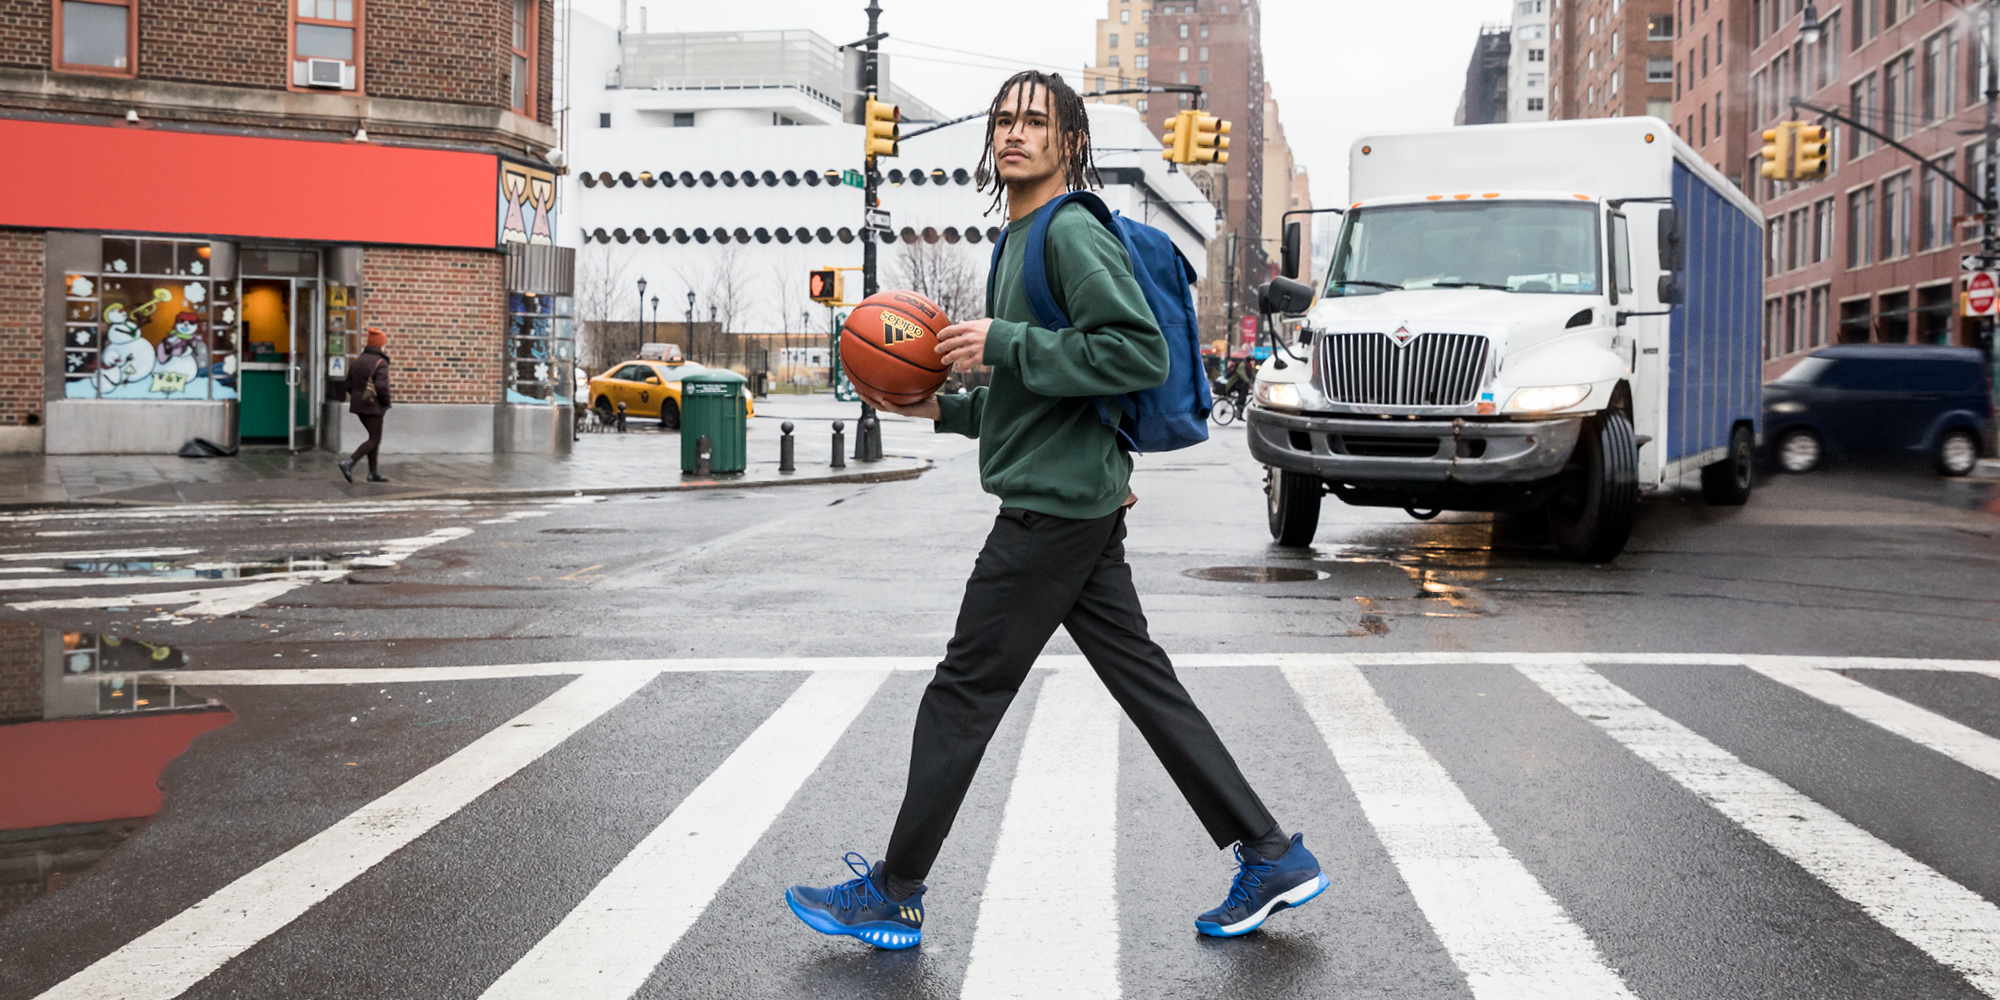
860	476
1988	468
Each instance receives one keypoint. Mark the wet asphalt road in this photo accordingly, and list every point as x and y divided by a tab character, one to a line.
1549	852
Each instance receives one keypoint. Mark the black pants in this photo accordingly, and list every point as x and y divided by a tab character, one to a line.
373	425
1036	572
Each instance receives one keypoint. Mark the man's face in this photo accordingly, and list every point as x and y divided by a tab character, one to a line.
1024	140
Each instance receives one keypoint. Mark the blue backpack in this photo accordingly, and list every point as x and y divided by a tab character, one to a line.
1175	414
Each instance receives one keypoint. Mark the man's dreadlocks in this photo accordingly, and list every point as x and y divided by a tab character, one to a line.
1069	127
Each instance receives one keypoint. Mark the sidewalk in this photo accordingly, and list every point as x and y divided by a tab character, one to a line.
643	460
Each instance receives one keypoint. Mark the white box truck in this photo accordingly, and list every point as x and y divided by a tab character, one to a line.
1549	316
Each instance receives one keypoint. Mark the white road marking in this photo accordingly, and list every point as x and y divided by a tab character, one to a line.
140	580
167	960
1961	743
1949	922
215	602
95	555
1044	929
1508	936
182	511
609	944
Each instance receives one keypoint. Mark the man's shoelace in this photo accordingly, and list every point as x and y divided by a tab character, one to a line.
855	893
1248	877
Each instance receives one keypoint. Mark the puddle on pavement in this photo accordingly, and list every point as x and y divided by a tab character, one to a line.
87	723
1256	574
586	531
161	569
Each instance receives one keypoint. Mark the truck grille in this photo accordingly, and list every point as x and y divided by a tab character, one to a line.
1434	369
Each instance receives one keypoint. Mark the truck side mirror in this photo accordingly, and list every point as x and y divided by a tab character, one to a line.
1288	254
1670	289
1285	296
1670	240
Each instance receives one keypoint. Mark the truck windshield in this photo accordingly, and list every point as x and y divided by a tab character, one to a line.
1517	246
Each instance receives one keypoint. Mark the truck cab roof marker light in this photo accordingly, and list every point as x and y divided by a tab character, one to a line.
1581	197
1460	197
1491	194
1434	197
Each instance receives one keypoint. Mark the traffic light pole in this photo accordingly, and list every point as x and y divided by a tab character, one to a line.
868	430
1989	244
1985	203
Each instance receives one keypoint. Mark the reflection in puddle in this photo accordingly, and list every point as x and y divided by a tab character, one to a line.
1256	574
169	570
87	723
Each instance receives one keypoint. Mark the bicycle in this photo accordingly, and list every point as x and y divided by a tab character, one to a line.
1229	404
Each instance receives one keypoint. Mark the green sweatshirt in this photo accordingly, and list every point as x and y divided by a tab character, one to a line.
1041	444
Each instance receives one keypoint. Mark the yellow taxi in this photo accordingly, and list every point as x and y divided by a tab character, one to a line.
649	388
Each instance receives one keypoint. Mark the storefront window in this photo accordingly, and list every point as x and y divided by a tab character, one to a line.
143	326
541	349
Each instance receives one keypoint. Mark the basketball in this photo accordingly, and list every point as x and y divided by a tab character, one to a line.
889	346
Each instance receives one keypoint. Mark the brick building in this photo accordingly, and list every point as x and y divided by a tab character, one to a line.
1712	84
1609	58
214	200
1871	253
1218	46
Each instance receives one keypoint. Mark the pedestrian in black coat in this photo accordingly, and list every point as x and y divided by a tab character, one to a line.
368	398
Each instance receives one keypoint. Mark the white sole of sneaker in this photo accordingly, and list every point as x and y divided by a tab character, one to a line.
1290	898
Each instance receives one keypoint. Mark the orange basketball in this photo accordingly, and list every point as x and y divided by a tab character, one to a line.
889	346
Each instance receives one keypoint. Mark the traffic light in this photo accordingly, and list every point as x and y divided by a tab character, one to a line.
1210	139
823	286
1178	138
1777	152
1810	152
880	120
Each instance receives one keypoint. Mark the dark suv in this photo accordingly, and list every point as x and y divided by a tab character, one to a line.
1881	399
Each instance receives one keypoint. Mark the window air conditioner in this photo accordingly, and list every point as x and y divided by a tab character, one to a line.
333	74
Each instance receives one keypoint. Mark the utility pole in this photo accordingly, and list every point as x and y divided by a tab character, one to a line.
868	430
1989	244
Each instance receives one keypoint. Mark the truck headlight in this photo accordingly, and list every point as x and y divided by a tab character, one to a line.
1279	395
1788	406
1549	397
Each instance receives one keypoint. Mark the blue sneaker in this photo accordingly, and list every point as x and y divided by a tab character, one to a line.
857	908
1263	887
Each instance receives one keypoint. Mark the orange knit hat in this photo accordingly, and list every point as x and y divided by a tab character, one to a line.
376	338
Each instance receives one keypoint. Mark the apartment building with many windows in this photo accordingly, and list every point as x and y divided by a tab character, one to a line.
1712	83
1528	62
1871	253
1610	58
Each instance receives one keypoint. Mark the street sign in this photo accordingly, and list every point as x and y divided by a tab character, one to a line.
1982	295
878	219
851	178
1975	262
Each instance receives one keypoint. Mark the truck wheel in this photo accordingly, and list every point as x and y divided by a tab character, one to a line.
670	415
1591	516
1294	506
1727	483
1957	452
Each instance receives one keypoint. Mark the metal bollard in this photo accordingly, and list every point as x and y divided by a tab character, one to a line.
702	456
621	418
870	439
785	449
839	444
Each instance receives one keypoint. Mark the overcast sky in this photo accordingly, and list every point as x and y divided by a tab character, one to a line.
1339	68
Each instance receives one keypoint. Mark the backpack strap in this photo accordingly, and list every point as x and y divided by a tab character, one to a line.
993	270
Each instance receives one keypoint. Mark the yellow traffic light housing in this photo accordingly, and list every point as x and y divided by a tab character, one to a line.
823	286
1210	139
1777	152
1809	151
880	120
1180	133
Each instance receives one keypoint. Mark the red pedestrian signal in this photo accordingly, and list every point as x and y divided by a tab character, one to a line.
823	285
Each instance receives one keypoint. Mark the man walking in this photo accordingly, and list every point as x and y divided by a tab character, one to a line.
368	399
1056	554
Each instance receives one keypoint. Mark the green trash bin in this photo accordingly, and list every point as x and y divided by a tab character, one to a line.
712	406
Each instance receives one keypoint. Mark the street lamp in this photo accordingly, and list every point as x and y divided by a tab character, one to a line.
638	326
1809	29
656	319
690	319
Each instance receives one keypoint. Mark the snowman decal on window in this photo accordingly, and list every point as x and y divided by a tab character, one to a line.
177	360
127	358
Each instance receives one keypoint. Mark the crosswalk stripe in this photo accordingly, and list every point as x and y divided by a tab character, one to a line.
610	943
1960	742
1047	926
1509	937
167	960
1952	924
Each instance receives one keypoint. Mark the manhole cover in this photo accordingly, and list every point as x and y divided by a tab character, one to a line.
586	531
1256	574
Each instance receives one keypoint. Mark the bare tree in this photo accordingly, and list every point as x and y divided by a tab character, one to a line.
950	276
727	294
602	292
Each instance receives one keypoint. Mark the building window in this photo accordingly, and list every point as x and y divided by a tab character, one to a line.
1536	79
1934	315
1855	321
1660	28
1861	227
1659	70
1138	62
1538	55
1899	105
1896	217
1114	62
1184	30
1204	31
1184	53
1795	225
1204	54
96	37
1940	76
1976	80
1204	76
326	47
1822	223
1774	245
685	119
1139	39
1531	33
1865	106
1817	316
150	322
541	349
1183	79
1536	104
522	49
1142	105
1940	199
1616	79
1795	308
1892	320
1114	40
1124	17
